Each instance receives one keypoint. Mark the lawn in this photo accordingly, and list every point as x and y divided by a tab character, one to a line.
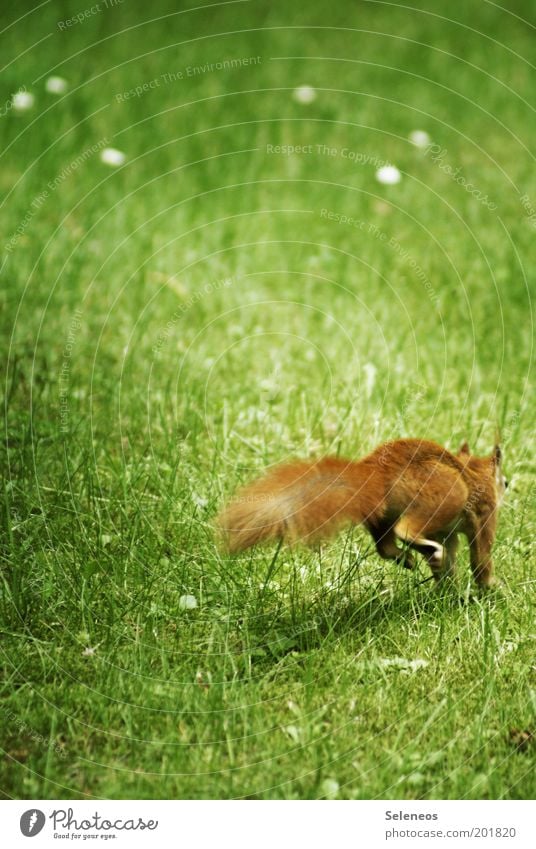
240	290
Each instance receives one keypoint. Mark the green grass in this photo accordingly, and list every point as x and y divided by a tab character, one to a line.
174	326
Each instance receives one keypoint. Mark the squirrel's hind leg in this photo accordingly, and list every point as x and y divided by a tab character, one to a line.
436	555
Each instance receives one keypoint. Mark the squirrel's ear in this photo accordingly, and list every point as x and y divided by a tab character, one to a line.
497	455
464	448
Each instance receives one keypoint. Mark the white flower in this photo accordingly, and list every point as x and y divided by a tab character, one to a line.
269	388
56	85
113	157
198	500
370	377
22	100
389	175
304	94
187	602
294	732
329	788
236	330
420	138
88	652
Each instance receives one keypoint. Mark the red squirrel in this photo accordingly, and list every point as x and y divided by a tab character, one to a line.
409	491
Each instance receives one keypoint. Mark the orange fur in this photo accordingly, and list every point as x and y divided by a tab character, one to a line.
409	491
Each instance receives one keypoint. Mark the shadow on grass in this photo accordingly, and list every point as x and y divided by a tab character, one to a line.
275	631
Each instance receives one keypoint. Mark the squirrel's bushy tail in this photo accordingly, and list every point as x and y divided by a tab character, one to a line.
298	501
